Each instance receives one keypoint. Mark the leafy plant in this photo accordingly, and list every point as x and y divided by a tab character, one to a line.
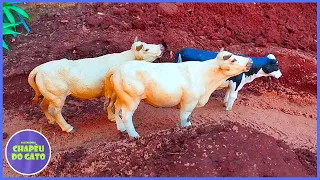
9	9
7	31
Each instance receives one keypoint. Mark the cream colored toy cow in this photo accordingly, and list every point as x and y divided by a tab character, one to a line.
186	85
82	79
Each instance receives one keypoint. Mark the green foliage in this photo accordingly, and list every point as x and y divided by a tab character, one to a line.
8	11
5	45
6	30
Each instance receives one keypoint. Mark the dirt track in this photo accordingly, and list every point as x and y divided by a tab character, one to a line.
267	113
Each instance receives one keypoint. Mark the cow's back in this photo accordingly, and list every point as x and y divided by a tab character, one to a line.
190	54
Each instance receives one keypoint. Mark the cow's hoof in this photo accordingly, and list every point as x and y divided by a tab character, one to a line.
134	135
112	119
187	124
137	138
123	131
35	101
52	123
229	110
71	130
134	138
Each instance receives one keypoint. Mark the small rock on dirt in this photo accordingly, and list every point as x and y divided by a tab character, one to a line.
120	11
4	135
94	20
167	9
53	14
179	4
235	128
261	42
106	23
139	24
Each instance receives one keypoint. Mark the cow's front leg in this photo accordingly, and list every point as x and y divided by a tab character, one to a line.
226	97
232	97
127	120
185	113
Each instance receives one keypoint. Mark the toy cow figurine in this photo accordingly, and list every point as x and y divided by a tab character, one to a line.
262	66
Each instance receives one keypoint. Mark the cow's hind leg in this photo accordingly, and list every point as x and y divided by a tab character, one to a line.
118	117
55	109
44	106
111	108
55	93
125	112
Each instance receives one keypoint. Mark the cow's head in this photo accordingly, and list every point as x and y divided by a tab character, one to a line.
271	68
146	52
232	65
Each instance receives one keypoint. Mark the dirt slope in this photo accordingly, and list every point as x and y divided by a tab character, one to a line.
271	131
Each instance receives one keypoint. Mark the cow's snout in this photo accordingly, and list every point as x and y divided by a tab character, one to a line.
162	48
249	64
277	74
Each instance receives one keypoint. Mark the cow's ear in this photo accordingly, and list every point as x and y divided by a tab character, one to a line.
135	39
226	57
271	56
138	48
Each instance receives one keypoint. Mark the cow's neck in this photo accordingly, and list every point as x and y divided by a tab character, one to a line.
213	76
129	54
250	78
257	64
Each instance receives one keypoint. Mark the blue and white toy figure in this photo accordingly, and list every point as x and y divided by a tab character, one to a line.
262	66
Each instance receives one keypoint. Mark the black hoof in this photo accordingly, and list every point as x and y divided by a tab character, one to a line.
125	132
73	131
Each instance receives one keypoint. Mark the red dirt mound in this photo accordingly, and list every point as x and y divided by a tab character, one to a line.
212	150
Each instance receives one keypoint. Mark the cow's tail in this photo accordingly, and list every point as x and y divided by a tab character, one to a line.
108	84
32	83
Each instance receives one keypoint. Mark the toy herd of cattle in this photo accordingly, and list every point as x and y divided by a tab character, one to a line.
127	78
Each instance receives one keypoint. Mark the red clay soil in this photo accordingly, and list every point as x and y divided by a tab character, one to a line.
212	150
271	131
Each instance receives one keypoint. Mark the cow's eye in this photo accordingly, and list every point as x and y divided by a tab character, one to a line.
146	49
234	60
